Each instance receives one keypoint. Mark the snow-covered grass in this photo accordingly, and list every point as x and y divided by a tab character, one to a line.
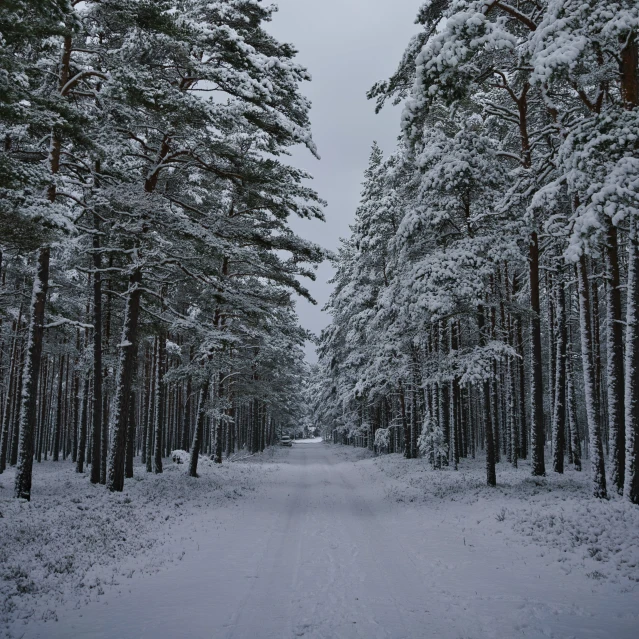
556	514
75	537
329	524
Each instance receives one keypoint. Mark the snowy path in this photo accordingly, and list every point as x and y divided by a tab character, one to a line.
320	554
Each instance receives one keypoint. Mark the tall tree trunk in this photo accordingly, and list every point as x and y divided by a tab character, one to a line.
220	425
538	432
104	446
186	416
614	370
559	413
198	434
6	416
405	426
82	436
76	414
491	475
28	407
130	440
523	425
124	382
151	410
592	408
631	480
58	414
572	415
96	435
160	402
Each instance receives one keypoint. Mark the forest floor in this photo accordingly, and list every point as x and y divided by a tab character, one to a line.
322	542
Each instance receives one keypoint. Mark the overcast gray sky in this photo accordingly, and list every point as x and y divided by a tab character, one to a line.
347	45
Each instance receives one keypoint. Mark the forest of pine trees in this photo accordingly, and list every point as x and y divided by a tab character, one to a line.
487	298
147	268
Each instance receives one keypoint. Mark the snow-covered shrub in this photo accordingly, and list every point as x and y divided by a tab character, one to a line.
382	440
180	456
431	443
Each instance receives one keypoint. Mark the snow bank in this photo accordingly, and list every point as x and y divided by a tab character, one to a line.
556	514
74	538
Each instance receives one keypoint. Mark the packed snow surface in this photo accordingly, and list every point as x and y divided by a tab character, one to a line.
322	542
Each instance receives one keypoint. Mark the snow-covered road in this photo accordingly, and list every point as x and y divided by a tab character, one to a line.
320	553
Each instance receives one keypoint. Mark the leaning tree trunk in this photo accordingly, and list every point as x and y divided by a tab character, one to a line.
124	382
631	483
559	408
592	408
28	405
198	435
538	434
614	372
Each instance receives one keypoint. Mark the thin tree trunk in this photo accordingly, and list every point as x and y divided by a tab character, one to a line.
631	480
28	408
614	370
220	424
13	374
151	408
82	437
592	408
96	435
130	441
58	414
124	382
160	402
198	434
538	432
559	414
491	475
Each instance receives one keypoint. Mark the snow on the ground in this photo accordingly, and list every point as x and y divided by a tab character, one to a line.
319	541
74	539
555	514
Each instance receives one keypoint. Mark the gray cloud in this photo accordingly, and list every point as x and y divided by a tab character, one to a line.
347	45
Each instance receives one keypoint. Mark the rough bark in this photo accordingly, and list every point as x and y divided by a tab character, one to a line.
198	434
6	416
631	480
82	435
96	427
28	406
491	475
124	382
559	408
538	434
614	369
130	440
592	408
160	403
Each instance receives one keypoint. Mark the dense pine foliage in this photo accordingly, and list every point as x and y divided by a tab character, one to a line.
148	271
487	297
